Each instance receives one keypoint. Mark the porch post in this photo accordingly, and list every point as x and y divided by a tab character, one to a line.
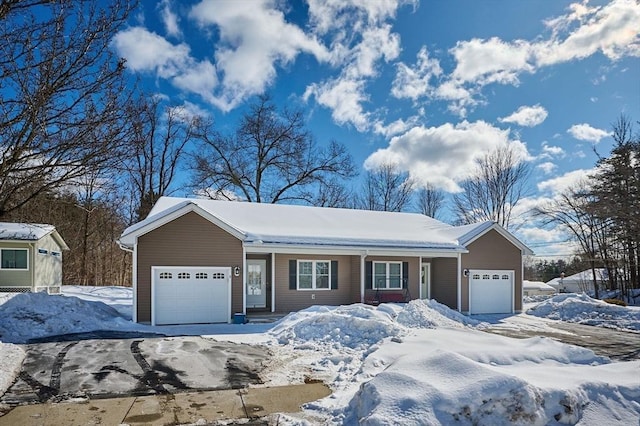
362	257
273	282
420	278
459	282
244	280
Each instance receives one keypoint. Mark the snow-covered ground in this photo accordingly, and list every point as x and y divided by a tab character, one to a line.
416	363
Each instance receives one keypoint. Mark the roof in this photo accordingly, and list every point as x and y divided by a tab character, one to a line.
283	224
10	231
536	285
585	276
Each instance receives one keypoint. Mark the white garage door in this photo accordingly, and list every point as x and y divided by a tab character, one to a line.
190	295
490	291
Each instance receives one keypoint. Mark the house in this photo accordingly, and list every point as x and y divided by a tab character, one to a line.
30	257
537	288
582	282
201	261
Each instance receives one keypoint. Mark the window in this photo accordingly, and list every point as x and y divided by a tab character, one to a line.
495	277
314	274
55	253
43	251
184	276
165	275
14	259
387	275
505	277
217	276
486	276
476	276
201	276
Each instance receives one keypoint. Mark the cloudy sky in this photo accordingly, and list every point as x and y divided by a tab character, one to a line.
431	85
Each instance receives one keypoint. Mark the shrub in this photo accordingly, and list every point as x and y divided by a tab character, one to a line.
615	302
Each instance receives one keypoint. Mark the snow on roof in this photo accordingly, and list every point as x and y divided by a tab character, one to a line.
536	285
24	231
582	277
295	224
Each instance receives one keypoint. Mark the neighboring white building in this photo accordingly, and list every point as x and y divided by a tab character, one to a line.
580	282
30	257
537	288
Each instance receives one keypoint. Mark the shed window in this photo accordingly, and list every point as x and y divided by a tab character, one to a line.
43	251
14	259
55	253
184	276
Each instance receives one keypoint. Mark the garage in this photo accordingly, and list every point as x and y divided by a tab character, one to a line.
190	295
491	291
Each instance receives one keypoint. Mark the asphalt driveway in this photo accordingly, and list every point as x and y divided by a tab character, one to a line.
100	368
615	344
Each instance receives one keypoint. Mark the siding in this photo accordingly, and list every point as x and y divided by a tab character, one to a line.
355	279
9	278
493	251
48	268
189	240
444	285
293	300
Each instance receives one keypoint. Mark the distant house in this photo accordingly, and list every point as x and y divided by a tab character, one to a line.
200	261
582	282
536	288
30	257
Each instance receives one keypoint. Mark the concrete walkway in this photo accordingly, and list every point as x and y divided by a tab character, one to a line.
173	409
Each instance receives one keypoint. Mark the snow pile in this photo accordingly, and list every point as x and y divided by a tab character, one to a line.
442	377
582	309
31	315
11	357
119	298
431	314
352	326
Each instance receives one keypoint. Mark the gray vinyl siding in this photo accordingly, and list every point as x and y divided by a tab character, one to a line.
493	251
11	278
444	281
189	240
355	279
48	268
293	300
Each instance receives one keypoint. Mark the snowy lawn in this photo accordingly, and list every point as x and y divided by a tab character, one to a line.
416	363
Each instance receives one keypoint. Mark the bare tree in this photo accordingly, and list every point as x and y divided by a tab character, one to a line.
430	200
493	190
160	135
61	94
333	193
270	158
386	188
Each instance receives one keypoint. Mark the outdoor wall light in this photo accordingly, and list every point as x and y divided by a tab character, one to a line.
236	271
465	272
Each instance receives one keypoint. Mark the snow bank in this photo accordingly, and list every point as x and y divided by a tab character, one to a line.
119	298
582	309
431	314
11	357
31	315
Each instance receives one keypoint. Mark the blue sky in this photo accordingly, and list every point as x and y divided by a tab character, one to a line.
430	85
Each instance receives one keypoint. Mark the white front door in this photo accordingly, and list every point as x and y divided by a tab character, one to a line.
256	283
425	281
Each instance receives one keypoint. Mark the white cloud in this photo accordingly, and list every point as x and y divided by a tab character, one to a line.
188	111
169	18
344	97
414	82
585	132
444	155
547	167
327	15
562	183
528	116
254	38
550	151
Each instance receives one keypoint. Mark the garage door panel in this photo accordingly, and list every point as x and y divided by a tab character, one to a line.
491	291
181	298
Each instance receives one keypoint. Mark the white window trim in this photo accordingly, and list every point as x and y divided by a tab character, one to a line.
386	282
313	275
14	269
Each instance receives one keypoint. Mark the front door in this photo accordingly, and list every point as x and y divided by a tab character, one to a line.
256	283
425	279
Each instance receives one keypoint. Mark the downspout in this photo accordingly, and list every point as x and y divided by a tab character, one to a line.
244	279
459	281
31	263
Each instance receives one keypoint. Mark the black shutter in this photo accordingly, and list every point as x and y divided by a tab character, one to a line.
293	275
334	275
368	281
405	274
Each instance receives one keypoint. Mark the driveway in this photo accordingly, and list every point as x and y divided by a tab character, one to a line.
612	343
102	368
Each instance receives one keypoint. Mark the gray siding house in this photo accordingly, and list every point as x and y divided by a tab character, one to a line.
201	261
30	257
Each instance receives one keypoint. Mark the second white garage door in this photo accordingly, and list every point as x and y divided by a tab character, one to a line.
190	295
490	291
